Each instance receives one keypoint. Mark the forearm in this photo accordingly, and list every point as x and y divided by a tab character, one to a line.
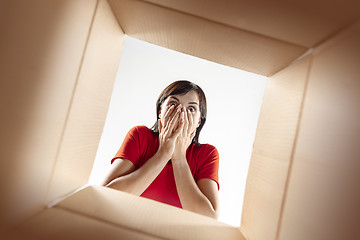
191	197
138	181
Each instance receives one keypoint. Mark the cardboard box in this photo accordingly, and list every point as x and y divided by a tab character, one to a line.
58	64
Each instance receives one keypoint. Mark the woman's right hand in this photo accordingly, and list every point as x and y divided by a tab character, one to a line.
170	127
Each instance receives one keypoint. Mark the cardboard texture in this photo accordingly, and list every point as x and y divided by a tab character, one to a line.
58	63
97	212
42	48
273	149
144	215
323	194
229	45
59	224
57	76
303	23
85	121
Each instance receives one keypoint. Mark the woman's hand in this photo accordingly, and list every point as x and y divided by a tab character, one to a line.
185	137
170	127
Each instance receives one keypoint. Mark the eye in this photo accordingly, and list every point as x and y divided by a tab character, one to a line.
172	103
192	109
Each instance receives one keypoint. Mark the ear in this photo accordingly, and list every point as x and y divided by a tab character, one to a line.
160	110
159	113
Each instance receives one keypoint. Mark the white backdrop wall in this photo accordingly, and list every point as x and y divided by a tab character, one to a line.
234	99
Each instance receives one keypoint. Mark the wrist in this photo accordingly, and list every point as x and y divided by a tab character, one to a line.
178	158
163	153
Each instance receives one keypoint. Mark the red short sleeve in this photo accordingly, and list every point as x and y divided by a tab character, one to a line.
210	164
130	148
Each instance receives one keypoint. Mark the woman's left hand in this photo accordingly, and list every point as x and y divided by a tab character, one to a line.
184	140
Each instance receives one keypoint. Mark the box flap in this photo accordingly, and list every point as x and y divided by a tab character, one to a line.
145	215
303	23
61	224
206	39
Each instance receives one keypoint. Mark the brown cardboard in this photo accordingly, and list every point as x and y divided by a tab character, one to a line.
41	50
56	55
59	224
304	23
145	215
89	106
323	194
210	40
273	149
56	86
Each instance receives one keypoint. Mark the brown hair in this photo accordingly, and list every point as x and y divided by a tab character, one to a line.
182	87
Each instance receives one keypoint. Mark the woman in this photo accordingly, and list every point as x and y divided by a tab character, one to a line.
166	163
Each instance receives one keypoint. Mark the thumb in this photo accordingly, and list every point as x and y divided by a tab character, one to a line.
179	129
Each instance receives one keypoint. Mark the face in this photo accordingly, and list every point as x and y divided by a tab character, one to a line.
188	102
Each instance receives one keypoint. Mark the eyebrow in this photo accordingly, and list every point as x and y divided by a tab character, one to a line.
193	103
179	100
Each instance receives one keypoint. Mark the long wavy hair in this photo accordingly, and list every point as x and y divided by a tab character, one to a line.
182	87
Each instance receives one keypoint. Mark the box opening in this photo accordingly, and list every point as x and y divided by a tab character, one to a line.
233	96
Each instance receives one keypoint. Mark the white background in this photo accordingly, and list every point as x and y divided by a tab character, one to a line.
234	99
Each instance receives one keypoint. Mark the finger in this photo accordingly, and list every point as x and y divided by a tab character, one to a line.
186	122
180	126
173	122
171	115
174	112
159	125
168	114
191	122
192	135
192	128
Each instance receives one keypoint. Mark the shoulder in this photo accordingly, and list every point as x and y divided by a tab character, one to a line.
206	150
142	132
140	128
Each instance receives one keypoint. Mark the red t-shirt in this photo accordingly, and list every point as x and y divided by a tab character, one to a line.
141	143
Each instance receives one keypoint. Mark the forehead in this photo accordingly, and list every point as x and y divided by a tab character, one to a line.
190	96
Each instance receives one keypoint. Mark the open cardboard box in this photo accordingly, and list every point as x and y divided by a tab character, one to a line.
58	64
